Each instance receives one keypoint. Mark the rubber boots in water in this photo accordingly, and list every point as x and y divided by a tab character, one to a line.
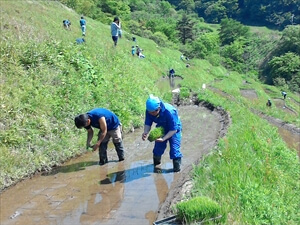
156	160
120	150
103	153
176	164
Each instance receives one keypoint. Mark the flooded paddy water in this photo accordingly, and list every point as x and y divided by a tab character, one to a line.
128	192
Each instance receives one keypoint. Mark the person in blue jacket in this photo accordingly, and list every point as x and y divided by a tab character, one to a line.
166	116
109	126
82	23
114	29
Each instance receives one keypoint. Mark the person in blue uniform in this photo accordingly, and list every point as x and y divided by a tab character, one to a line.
109	126
166	116
82	23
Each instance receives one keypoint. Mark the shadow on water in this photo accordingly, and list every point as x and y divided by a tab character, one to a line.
134	173
70	168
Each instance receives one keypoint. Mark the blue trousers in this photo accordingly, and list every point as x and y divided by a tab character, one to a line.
175	142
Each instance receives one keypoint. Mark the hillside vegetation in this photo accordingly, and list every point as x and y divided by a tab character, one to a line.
47	79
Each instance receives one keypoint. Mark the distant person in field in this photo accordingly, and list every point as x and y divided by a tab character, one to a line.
171	72
120	30
269	103
67	24
133	50
141	55
182	57
82	23
114	28
80	40
109	126
138	50
284	94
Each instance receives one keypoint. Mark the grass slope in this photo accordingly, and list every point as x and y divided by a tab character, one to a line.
46	79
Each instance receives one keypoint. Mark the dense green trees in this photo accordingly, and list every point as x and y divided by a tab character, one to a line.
283	63
232	30
185	29
260	12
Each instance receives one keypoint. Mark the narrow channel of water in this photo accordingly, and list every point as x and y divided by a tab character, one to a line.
129	192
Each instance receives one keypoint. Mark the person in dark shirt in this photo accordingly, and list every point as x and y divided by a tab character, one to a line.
109	126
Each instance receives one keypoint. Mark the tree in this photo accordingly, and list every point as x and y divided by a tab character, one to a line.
187	5
185	28
290	40
232	30
206	44
286	66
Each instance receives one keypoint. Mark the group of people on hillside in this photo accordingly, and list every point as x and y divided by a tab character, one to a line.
67	25
269	103
162	114
136	50
82	23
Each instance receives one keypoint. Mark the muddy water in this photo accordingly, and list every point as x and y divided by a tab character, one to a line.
129	192
292	139
250	94
165	84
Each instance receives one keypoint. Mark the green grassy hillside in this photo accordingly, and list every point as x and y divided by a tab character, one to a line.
47	79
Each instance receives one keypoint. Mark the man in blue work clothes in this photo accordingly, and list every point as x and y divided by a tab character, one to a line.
82	23
110	127
166	116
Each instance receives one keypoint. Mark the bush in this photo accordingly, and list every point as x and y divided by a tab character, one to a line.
156	133
184	92
197	209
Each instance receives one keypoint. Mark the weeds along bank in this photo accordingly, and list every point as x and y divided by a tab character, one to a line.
251	172
46	80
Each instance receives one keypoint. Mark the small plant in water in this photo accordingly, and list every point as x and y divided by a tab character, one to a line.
197	209
156	133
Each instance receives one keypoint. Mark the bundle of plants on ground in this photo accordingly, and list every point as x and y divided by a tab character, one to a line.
184	92
156	133
198	209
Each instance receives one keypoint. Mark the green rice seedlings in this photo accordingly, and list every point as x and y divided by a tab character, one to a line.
156	133
198	209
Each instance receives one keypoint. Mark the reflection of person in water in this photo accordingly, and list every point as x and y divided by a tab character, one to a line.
162	189
106	196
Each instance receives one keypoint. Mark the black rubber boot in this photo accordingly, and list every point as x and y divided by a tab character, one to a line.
156	160
176	164
103	154
120	150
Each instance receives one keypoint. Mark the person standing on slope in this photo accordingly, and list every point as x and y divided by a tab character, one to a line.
82	23
114	28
